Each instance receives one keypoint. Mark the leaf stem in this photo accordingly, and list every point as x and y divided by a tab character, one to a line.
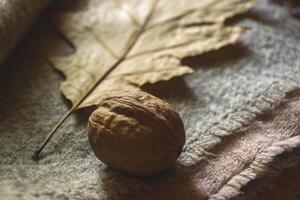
67	114
131	43
51	133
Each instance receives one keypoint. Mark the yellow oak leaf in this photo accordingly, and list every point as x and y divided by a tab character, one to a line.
123	44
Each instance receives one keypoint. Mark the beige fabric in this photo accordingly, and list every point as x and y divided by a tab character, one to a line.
256	142
68	170
15	18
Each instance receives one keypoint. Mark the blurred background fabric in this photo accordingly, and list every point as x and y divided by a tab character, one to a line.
15	18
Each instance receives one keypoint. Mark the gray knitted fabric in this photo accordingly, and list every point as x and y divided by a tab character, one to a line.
240	109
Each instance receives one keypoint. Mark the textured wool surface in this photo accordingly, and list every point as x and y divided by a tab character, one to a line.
15	18
240	110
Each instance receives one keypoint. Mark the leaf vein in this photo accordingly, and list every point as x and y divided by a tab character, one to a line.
132	17
102	43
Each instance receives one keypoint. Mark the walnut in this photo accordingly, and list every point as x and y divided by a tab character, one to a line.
136	132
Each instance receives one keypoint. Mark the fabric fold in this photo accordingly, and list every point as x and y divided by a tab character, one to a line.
15	18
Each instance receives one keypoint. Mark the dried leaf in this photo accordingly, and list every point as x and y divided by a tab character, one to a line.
139	42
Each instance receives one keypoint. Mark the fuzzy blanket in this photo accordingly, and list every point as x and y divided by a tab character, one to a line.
241	111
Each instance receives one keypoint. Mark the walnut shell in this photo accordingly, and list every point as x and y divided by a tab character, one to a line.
136	132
